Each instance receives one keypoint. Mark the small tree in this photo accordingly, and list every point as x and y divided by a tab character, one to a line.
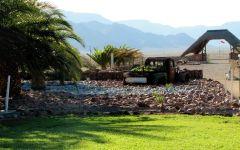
126	55
102	57
122	55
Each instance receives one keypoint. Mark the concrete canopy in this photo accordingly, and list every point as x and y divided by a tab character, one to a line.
201	42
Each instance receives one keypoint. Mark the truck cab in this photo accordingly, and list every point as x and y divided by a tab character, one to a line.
156	70
160	70
163	65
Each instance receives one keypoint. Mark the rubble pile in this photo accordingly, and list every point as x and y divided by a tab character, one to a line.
210	97
205	97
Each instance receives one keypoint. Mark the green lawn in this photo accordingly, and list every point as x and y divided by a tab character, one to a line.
124	132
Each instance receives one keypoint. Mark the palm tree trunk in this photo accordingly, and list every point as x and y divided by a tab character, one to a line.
38	82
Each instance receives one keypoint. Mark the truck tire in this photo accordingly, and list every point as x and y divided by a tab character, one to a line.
183	77
159	78
187	78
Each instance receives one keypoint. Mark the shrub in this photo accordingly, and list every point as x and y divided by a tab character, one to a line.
168	85
159	97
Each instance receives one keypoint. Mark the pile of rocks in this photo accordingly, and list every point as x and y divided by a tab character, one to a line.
196	97
209	98
113	88
35	103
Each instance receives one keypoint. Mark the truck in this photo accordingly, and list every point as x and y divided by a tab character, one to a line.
159	70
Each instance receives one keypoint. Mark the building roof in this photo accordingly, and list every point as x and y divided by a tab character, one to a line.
202	41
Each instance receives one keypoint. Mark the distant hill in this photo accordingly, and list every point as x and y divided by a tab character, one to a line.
150	27
194	31
85	17
98	35
98	31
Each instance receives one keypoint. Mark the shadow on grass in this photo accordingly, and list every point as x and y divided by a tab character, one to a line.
63	132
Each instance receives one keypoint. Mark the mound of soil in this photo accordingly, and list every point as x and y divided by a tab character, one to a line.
207	98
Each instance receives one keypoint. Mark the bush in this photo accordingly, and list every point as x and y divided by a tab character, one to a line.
168	86
159	97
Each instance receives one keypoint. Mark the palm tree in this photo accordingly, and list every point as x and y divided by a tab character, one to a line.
102	57
35	38
125	55
122	55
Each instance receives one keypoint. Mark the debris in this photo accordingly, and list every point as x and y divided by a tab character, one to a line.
203	96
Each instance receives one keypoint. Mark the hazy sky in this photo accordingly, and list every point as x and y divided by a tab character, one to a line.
168	12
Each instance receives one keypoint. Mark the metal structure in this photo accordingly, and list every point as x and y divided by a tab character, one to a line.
200	45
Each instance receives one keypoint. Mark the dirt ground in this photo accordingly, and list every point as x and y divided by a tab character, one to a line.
216	69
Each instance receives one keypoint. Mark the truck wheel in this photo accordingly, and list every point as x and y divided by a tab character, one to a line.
186	78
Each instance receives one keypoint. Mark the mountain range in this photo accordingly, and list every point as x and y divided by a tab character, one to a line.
98	31
193	31
98	35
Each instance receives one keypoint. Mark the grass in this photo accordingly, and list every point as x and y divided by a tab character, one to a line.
123	132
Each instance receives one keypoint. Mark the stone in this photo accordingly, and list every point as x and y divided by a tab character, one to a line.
196	97
142	104
235	105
